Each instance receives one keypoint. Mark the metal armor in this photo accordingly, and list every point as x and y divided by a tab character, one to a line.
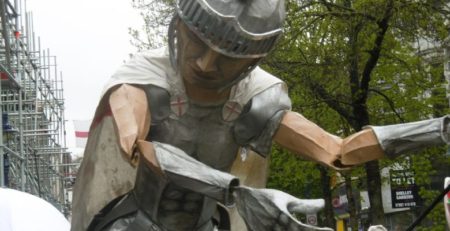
234	28
400	138
201	132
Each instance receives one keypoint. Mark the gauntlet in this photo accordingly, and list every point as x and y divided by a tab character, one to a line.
400	138
269	209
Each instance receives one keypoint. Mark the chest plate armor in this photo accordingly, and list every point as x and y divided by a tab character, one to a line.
203	133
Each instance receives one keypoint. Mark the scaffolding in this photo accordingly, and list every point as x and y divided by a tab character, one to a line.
33	153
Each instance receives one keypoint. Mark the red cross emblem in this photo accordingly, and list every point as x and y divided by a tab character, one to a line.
231	111
178	104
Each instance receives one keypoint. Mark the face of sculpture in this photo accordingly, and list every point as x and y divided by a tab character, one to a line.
202	66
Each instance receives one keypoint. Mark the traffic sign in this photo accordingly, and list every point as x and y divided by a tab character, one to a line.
311	219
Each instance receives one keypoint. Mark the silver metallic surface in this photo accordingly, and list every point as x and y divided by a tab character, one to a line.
263	143
260	119
201	133
185	197
400	138
173	55
270	210
185	183
377	228
135	222
117	215
143	223
172	43
159	102
121	224
235	28
191	174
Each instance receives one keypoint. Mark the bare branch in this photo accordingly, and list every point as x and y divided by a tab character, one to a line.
390	102
340	15
371	63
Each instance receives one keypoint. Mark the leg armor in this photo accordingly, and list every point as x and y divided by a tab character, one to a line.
173	191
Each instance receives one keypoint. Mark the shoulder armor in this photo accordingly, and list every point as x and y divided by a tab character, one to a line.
260	119
158	99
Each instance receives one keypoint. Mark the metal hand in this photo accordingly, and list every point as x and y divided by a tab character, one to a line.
271	210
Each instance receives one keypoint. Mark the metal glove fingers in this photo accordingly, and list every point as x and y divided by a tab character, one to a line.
268	209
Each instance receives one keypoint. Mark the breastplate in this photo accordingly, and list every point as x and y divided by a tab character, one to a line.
201	133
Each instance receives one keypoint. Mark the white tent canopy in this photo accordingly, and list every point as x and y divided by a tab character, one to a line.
20	211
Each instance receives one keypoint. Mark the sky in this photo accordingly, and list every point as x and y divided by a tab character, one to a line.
90	41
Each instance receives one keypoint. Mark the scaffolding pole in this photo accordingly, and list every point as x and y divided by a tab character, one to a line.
8	62
33	153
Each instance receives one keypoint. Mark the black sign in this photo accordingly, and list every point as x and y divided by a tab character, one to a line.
404	192
405	197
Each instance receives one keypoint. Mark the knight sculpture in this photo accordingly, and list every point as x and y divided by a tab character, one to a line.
172	142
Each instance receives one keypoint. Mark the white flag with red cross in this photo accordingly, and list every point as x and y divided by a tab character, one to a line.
81	132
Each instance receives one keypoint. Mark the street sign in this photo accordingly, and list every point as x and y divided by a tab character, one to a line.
311	219
336	202
404	191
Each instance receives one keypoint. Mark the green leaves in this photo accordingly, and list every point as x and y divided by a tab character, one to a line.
156	16
350	63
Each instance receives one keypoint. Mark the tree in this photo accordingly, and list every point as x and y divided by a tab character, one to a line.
360	58
156	16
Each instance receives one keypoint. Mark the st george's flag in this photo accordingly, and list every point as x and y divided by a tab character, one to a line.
81	132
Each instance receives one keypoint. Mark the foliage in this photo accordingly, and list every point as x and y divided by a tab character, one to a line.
426	167
365	60
156	16
293	175
329	48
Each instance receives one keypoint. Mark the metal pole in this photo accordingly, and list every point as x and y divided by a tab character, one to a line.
21	145
429	208
21	150
5	37
63	110
4	17
36	165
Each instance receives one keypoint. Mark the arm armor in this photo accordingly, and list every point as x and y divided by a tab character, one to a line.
262	209
159	102
260	119
270	209
174	165
400	138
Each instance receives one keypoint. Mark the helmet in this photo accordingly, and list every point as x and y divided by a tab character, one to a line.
235	28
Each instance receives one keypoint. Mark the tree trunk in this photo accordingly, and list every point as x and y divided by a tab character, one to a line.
352	210
329	214
376	215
